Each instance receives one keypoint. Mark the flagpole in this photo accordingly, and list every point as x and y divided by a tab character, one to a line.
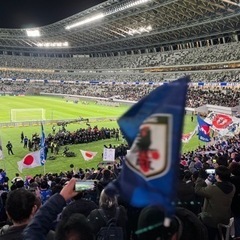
2	156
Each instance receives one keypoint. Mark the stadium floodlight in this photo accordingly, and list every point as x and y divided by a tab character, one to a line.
140	30
33	32
52	44
85	21
121	7
125	6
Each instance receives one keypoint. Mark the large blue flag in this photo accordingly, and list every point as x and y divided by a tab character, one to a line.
43	149
153	128
203	130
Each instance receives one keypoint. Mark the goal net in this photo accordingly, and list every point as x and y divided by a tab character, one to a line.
27	114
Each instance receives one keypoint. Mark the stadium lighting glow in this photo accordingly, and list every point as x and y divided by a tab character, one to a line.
85	21
140	30
126	5
33	32
52	44
98	16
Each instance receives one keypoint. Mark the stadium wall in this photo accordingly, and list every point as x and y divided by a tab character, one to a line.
51	122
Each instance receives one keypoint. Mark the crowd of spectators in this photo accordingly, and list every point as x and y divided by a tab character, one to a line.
197	96
47	204
48	207
220	97
124	76
124	68
210	54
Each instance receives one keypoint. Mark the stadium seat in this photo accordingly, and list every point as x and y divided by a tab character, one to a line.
225	231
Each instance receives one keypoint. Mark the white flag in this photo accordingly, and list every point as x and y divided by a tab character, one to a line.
109	154
1	152
88	155
31	160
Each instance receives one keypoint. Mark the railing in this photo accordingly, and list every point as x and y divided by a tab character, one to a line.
51	122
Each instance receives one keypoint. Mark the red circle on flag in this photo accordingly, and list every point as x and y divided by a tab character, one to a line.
88	154
28	160
221	121
155	155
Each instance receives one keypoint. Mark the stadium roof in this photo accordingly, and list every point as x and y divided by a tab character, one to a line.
121	26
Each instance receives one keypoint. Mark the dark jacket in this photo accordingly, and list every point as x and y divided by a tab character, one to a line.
217	202
15	233
40	225
97	220
235	180
187	198
79	206
11	232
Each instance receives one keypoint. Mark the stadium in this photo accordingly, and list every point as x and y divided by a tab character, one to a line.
77	76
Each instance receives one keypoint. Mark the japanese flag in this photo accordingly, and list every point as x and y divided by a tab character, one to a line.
31	160
88	155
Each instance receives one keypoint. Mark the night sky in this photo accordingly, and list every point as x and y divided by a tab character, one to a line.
36	13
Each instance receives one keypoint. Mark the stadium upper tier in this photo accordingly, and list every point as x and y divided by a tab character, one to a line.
203	55
111	76
129	68
131	25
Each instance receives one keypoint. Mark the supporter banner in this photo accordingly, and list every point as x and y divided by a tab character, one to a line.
88	155
203	130
109	154
223	124
153	128
204	84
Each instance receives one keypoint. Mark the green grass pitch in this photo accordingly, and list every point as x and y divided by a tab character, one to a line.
57	108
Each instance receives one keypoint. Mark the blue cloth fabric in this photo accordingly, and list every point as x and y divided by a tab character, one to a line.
153	129
203	130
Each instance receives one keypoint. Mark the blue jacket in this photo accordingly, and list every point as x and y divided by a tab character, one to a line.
41	224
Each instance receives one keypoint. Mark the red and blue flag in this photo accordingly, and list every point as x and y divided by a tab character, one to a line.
203	130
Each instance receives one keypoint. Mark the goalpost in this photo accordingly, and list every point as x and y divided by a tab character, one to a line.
27	114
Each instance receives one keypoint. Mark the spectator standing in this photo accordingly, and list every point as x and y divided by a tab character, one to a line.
217	199
79	205
109	205
235	180
75	227
2	176
16	178
20	207
45	192
9	147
